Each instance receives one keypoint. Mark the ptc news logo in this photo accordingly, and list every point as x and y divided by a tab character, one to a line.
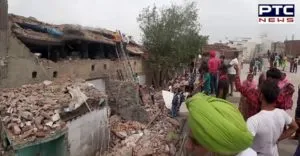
276	13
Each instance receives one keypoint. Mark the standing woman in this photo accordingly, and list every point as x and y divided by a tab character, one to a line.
284	63
243	105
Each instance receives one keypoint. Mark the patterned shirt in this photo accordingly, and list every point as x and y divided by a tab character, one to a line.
284	100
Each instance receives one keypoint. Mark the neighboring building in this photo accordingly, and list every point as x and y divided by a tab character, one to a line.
221	49
40	51
277	47
246	46
292	48
265	46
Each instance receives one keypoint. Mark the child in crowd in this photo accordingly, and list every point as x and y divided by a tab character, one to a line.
206	80
223	87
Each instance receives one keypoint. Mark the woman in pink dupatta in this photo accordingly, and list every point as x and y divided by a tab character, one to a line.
283	81
243	106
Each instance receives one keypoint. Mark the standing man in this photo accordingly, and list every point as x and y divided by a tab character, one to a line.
295	64
292	64
152	92
213	66
232	71
176	102
267	126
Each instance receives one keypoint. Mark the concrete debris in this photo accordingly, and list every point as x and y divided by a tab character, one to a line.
124	100
159	138
46	82
26	115
55	117
16	130
34	110
78	97
50	124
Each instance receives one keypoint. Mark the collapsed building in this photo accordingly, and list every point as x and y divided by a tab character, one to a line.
38	51
38	65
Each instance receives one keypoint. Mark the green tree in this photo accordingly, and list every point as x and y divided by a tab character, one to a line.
172	37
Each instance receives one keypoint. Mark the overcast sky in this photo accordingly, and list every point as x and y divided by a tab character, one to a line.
219	18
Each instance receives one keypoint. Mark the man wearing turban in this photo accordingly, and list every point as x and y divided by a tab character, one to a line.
216	126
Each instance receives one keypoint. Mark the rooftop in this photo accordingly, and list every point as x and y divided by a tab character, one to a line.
30	30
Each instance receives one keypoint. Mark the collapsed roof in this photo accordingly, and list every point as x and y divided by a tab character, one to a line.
30	30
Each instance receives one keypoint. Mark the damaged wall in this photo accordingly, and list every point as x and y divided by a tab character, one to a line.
25	68
3	27
89	133
99	84
3	39
124	100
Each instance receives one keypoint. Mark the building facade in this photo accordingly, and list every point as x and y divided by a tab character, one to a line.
292	48
34	51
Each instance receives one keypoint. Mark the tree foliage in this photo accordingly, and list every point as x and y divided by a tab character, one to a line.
172	37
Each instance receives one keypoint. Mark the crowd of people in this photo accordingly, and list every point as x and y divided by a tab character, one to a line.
263	107
281	61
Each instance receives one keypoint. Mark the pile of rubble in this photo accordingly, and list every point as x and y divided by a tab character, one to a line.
160	136
33	111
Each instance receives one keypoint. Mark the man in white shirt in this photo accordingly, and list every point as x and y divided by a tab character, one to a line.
267	126
232	72
248	152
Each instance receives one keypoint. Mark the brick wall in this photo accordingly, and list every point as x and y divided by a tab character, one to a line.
22	64
292	48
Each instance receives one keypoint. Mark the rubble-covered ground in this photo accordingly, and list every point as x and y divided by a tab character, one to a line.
161	136
33	111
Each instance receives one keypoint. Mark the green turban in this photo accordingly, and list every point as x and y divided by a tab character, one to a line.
217	125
